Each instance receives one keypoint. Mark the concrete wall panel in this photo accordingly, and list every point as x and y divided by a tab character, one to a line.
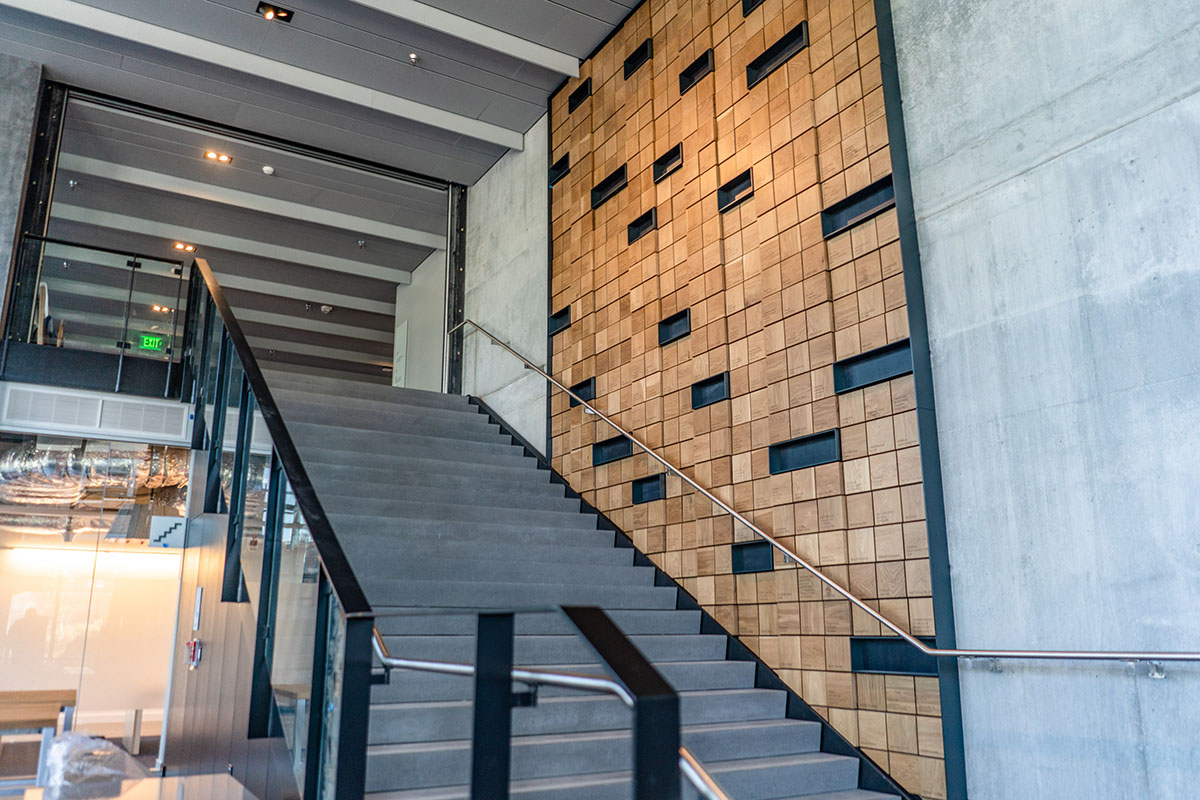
1055	171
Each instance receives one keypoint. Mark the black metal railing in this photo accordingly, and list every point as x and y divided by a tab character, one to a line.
660	762
317	642
312	663
92	317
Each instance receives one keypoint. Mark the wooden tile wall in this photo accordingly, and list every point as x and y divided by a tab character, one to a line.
773	303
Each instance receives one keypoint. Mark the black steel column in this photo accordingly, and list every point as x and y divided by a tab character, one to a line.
356	705
316	704
456	255
491	737
232	586
261	693
35	211
212	485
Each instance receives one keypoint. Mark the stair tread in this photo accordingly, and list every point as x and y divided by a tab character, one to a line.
439	510
535	740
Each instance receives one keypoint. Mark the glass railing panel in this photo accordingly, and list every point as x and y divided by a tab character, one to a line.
253	543
334	689
297	595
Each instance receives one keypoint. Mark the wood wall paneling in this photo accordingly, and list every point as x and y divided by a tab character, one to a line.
775	304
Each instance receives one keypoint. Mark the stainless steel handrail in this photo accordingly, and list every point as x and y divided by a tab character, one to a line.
1087	655
689	766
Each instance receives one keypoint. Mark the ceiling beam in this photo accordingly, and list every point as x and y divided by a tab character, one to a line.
474	32
315	297
247	200
237	244
300	348
173	41
316	326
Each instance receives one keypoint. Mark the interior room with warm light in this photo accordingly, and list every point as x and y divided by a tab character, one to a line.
599	399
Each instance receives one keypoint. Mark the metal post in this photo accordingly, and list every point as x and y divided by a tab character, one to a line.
212	486
316	703
124	343
174	329
492	734
261	693
232	584
200	370
656	747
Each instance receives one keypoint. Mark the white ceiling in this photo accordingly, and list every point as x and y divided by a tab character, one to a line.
338	76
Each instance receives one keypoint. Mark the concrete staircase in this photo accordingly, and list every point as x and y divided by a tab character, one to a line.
437	509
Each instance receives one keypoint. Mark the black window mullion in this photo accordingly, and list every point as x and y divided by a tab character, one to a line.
232	588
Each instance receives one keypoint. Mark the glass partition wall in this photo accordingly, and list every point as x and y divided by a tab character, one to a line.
313	657
91	542
96	318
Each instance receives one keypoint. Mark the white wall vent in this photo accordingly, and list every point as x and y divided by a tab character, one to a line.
48	409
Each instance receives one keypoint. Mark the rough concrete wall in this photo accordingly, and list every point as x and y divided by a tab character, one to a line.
1056	177
423	304
507	283
19	82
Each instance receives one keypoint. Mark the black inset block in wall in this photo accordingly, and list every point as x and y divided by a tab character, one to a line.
735	191
710	390
668	162
576	98
613	449
674	327
560	320
750	5
652	487
874	366
807	451
559	169
751	557
586	391
643	225
639	56
858	207
609	187
891	656
777	54
695	71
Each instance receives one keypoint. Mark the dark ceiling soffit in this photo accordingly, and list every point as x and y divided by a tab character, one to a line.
108	101
597	49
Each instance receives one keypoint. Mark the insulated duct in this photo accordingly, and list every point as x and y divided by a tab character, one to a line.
32	475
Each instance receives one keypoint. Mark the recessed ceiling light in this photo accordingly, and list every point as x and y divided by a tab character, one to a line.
187	248
162	309
213	155
268	11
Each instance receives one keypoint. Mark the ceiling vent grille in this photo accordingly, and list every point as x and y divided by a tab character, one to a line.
44	409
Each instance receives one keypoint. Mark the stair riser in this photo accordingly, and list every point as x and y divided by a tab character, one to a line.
519	482
420	723
301	407
557	757
377	576
416	687
514	595
548	556
788	781
448	459
332	387
543	650
630	622
468	511
332	426
393	443
394	533
538	497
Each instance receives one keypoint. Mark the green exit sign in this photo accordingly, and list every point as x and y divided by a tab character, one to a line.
151	342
